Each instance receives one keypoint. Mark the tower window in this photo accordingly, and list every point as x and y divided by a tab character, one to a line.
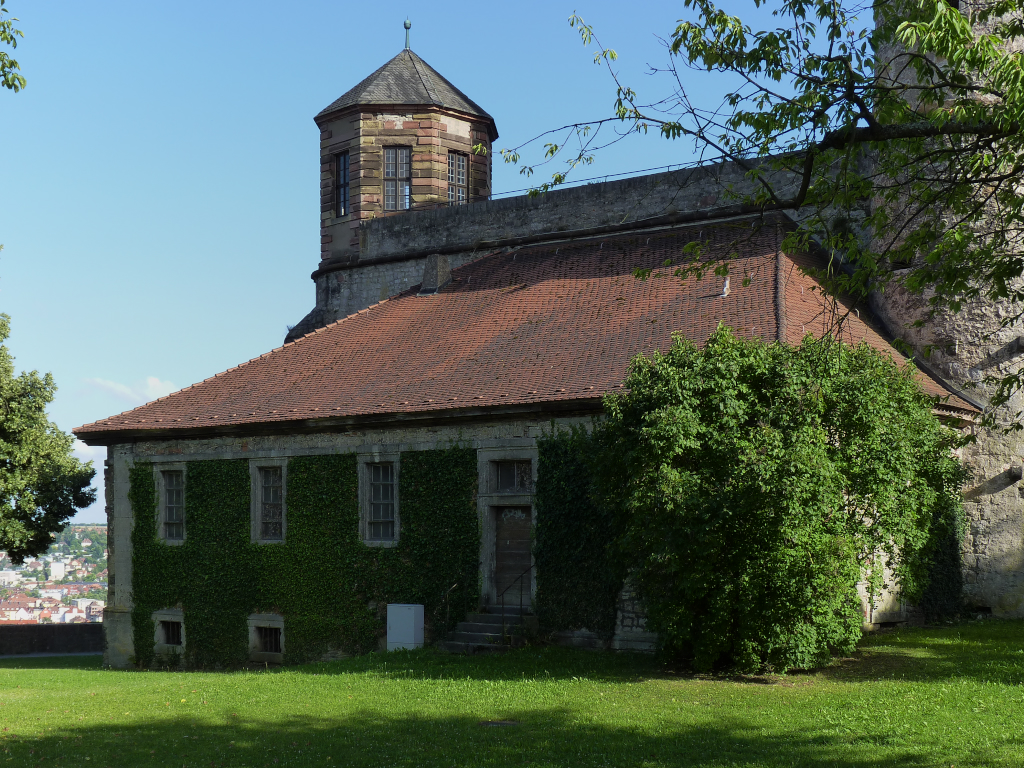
397	178
341	183
457	178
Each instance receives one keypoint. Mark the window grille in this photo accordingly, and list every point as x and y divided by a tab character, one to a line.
382	502
514	476
172	632
397	178
272	503
174	505
341	183
269	639
458	191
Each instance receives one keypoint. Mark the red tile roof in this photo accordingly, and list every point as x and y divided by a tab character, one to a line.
547	323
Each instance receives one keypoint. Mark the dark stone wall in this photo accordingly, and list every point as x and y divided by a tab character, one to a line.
51	638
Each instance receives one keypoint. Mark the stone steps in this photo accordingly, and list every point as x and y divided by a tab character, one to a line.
481	633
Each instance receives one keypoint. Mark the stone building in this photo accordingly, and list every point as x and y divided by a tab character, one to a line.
388	451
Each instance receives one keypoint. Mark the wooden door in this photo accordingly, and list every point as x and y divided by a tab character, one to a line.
512	556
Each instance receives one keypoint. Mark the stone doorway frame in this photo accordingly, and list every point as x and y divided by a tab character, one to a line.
489	501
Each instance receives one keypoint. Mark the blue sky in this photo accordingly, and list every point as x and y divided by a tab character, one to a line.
160	176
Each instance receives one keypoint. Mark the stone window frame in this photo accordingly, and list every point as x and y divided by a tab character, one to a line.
269	620
161	502
256	499
396	180
364	459
160	647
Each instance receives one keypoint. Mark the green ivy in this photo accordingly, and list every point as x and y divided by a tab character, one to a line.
331	589
578	578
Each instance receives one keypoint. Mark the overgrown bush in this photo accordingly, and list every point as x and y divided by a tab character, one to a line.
758	483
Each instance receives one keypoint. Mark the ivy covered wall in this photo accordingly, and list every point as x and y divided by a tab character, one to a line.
578	577
330	588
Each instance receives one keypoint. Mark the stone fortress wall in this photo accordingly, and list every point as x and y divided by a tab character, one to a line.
393	250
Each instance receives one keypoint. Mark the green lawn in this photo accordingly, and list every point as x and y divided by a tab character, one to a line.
936	697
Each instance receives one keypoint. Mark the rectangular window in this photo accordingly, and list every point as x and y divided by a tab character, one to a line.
514	477
397	178
458	191
174	505
271	504
341	183
171	632
269	639
382	502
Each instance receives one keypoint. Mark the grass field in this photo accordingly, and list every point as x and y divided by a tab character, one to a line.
935	697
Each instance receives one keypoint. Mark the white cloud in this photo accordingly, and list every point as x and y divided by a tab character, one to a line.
150	389
94	453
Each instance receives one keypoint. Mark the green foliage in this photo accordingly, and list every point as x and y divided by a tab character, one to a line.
41	483
9	76
328	585
578	577
757	482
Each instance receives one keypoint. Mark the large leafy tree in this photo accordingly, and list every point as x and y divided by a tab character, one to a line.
10	77
892	131
757	483
41	483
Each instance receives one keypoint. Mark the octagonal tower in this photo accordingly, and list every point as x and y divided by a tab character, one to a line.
400	140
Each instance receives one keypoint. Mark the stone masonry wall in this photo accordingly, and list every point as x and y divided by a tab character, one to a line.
966	348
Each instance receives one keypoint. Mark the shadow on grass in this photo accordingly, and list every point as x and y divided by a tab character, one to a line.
990	651
545	737
53	662
540	663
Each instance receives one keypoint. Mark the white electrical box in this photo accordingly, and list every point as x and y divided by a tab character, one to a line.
405	626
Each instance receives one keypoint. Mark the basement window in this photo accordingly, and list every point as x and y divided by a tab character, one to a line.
397	178
266	637
168	631
172	632
269	639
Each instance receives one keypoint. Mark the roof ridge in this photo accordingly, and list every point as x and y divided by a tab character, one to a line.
424	76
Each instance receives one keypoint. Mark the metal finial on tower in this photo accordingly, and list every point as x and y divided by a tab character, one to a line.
408	26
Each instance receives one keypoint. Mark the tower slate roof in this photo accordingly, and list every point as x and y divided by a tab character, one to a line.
408	79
